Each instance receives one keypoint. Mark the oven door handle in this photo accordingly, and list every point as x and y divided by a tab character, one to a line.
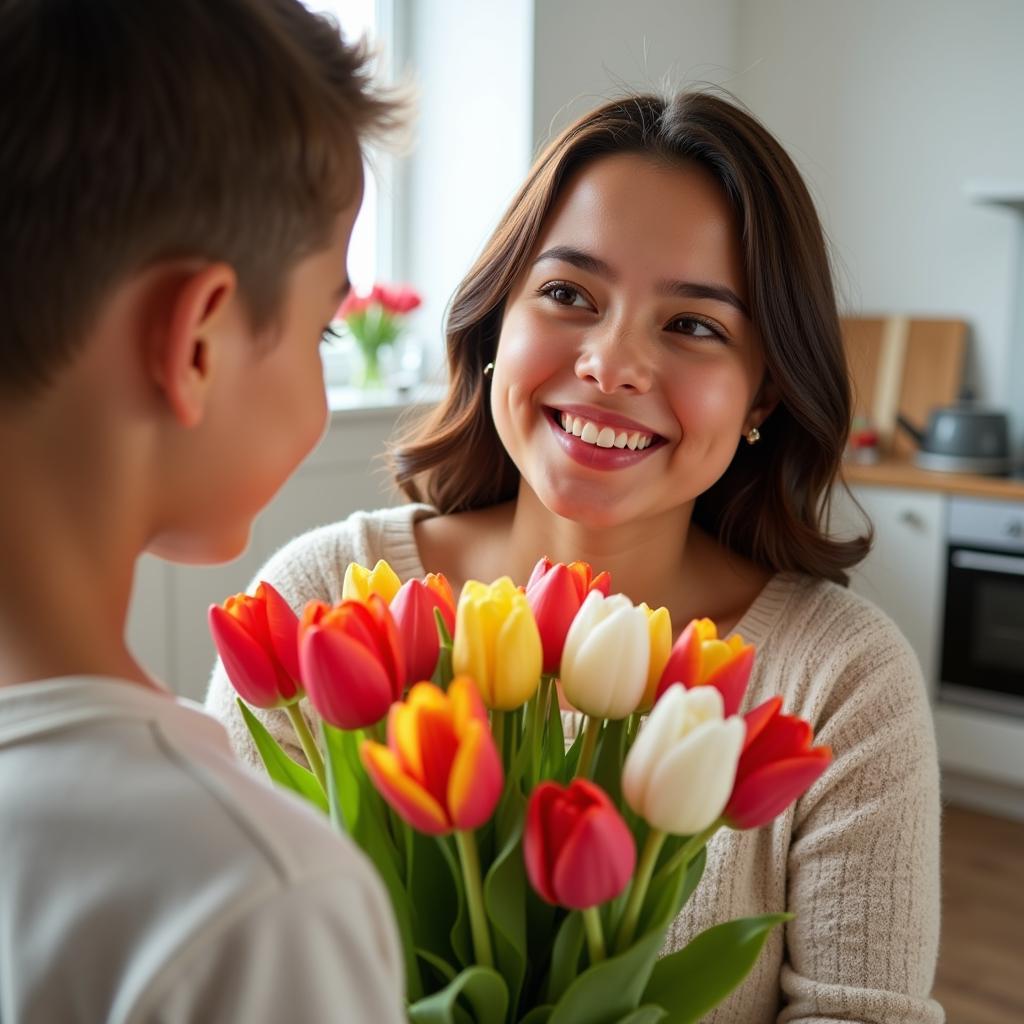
988	563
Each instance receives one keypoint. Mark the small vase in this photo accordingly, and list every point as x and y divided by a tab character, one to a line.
368	373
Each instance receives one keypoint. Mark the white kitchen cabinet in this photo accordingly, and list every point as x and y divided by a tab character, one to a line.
905	572
167	622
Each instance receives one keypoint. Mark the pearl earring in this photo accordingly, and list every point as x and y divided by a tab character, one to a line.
753	435
488	369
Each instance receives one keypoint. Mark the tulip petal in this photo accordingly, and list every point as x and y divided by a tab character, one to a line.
537	847
664	725
283	627
768	791
759	717
683	664
249	667
692	781
784	736
472	647
519	658
438	748
554	600
596	861
476	778
731	677
412	802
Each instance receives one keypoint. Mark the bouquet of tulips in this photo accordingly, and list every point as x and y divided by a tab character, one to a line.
533	880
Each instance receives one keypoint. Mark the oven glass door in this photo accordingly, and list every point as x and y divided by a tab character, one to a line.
983	644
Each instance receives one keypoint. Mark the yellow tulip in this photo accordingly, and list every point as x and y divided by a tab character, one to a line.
360	583
497	643
659	627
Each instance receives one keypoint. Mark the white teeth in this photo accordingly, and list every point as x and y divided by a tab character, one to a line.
603	437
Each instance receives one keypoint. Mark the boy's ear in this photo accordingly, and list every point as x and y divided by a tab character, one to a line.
185	352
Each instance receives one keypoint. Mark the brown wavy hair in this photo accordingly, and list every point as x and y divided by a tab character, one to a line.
770	505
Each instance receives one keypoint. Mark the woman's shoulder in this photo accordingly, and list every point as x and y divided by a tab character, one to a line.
314	562
820	642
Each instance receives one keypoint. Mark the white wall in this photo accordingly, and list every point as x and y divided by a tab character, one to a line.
588	50
889	107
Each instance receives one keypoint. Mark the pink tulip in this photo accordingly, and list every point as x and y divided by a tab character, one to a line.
413	611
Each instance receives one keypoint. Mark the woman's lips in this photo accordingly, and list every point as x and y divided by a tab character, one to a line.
595	457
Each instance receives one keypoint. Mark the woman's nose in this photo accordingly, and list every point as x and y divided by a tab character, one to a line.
616	360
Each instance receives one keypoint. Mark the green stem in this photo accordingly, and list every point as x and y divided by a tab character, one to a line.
539	718
591	734
470	859
595	935
690	849
309	747
498	727
631	915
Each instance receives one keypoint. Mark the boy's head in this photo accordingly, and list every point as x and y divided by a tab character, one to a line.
179	182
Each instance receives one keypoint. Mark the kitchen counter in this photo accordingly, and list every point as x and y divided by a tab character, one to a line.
899	472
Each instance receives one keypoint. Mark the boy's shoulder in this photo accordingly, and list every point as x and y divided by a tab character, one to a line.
124	812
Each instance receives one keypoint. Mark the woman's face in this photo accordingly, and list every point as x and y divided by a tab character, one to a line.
628	368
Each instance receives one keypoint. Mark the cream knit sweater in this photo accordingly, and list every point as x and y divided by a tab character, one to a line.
856	859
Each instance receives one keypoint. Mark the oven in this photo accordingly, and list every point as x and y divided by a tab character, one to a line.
983	639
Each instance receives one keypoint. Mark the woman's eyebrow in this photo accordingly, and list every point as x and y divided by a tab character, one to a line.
680	289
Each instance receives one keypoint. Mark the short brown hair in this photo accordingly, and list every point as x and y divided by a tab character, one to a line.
770	503
132	132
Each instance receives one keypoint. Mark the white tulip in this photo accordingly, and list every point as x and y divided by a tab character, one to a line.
679	773
604	661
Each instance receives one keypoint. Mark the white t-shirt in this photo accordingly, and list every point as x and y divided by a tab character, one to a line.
145	875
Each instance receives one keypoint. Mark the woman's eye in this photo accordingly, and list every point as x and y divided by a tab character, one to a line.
695	328
564	294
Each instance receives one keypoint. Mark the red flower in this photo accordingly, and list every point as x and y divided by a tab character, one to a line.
578	850
699	658
413	611
397	299
257	640
777	765
555	593
352	661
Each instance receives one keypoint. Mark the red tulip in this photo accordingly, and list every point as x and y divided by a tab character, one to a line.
440	770
699	658
396	299
578	850
777	765
413	611
352	661
555	593
354	303
257	640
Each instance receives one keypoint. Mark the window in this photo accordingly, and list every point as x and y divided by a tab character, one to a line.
368	257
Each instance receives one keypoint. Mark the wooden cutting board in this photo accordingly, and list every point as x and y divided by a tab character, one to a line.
903	366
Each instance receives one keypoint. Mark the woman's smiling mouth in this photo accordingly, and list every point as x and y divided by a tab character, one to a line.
595	442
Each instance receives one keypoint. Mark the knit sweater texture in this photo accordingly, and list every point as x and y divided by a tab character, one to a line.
856	859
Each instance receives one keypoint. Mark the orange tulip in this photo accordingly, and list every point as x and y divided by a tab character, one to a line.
700	658
440	770
257	639
352	661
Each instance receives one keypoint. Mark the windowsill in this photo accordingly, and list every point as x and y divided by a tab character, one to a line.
345	401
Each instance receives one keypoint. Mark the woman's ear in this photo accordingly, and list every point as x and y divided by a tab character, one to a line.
184	352
767	399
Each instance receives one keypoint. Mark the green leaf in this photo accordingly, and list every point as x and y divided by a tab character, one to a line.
667	896
343	769
443	671
433	897
280	767
608	762
645	1015
505	894
460	936
439	964
719	959
609	991
565	956
481	989
538	1015
554	741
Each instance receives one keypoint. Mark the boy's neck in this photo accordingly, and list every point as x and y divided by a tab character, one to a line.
68	559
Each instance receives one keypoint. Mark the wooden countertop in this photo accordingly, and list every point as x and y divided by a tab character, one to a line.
894	471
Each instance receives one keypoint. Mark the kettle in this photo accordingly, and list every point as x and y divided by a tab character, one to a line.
962	438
